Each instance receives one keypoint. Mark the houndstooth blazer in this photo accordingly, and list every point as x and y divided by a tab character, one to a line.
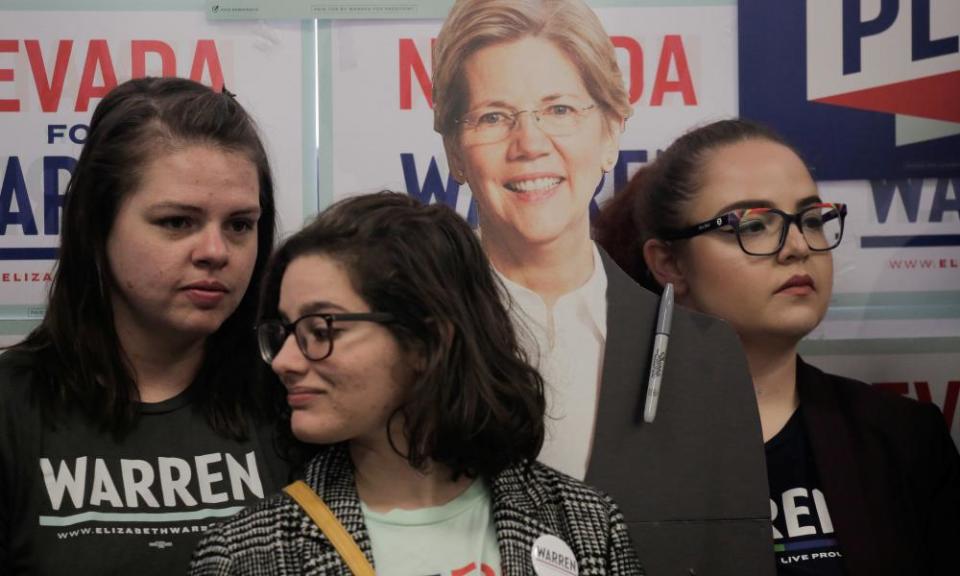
529	499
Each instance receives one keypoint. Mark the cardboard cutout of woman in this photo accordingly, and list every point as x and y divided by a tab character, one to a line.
530	103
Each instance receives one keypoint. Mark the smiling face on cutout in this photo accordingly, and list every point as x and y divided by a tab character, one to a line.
782	296
532	188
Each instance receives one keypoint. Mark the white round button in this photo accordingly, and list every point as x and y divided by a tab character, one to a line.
552	557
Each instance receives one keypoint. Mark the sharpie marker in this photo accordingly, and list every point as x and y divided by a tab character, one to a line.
659	358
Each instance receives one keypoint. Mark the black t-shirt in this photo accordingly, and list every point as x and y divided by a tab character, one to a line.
74	500
803	536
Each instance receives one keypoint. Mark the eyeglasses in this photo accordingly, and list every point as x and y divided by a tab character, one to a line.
314	333
489	125
763	231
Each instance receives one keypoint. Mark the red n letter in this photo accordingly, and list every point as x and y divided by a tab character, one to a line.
673	50
635	57
207	54
410	62
138	57
98	54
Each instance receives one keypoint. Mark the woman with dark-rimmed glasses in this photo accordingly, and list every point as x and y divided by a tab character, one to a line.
861	482
384	323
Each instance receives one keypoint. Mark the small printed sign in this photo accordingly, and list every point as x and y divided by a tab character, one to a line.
327	9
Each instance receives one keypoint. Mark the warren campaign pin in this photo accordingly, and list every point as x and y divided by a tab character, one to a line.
552	557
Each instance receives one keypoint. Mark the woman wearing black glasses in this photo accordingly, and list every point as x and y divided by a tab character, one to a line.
861	482
383	321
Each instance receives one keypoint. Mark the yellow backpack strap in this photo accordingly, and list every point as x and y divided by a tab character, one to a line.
321	515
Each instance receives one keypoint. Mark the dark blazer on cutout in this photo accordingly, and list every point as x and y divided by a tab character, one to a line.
692	485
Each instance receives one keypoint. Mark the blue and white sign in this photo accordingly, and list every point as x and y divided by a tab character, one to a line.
866	89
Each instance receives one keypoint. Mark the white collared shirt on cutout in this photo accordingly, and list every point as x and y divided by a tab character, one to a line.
570	359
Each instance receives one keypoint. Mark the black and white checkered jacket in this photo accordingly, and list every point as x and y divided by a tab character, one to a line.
529	499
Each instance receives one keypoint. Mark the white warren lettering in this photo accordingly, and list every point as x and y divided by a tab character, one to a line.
166	482
796	509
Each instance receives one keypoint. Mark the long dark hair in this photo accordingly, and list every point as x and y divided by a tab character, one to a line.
79	356
476	406
655	200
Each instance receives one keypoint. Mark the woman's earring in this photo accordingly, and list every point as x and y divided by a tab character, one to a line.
608	165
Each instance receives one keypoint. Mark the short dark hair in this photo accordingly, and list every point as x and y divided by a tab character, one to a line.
476	406
654	200
80	354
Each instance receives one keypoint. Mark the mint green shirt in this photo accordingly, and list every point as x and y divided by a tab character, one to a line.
456	539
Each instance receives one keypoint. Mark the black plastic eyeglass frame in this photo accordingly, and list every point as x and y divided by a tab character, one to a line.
263	336
732	219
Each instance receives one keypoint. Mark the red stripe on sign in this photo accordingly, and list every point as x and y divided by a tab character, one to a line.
936	97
